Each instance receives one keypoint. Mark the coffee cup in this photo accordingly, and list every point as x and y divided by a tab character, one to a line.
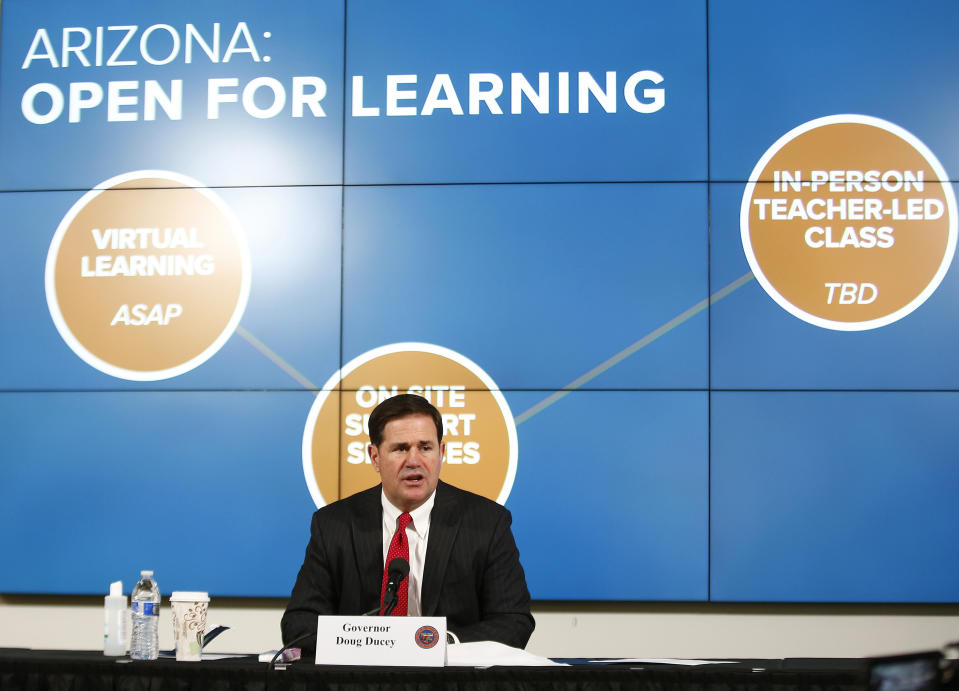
189	623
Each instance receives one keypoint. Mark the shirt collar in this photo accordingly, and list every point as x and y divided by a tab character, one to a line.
420	515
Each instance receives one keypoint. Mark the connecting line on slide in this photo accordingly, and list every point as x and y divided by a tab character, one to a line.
277	360
569	388
638	345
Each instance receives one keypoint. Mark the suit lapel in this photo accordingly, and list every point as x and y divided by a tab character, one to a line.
444	524
367	528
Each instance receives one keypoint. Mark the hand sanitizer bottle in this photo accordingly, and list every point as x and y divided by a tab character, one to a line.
116	617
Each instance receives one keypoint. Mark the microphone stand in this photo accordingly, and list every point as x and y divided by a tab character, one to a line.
391	605
391	600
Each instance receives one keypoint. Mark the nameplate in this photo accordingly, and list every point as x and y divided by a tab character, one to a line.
383	641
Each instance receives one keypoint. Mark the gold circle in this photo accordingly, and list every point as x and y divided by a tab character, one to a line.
149	275
478	453
814	264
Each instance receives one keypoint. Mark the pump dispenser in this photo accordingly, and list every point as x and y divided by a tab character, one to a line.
115	621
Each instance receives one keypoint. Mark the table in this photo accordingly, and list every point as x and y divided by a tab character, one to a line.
34	670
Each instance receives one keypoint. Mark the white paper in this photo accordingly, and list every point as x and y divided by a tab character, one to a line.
666	661
204	656
490	654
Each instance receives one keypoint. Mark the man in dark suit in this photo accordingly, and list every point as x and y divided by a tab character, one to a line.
464	561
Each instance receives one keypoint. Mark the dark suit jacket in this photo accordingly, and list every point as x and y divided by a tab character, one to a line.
472	574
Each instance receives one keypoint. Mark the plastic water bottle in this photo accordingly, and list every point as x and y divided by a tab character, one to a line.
145	603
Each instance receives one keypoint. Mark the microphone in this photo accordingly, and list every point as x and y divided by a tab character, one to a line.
397	572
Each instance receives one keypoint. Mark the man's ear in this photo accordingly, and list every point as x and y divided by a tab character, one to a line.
374	456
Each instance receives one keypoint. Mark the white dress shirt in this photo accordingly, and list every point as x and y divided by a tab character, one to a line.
417	532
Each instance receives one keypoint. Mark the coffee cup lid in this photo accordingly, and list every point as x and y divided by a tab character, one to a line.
189	596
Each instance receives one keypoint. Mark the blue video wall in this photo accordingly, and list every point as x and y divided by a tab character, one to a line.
685	267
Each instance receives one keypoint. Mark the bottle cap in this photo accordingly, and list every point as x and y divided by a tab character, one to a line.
116	589
146	574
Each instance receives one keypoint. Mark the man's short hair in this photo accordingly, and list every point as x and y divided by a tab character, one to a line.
399	406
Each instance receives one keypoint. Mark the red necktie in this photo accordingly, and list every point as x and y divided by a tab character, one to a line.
399	547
